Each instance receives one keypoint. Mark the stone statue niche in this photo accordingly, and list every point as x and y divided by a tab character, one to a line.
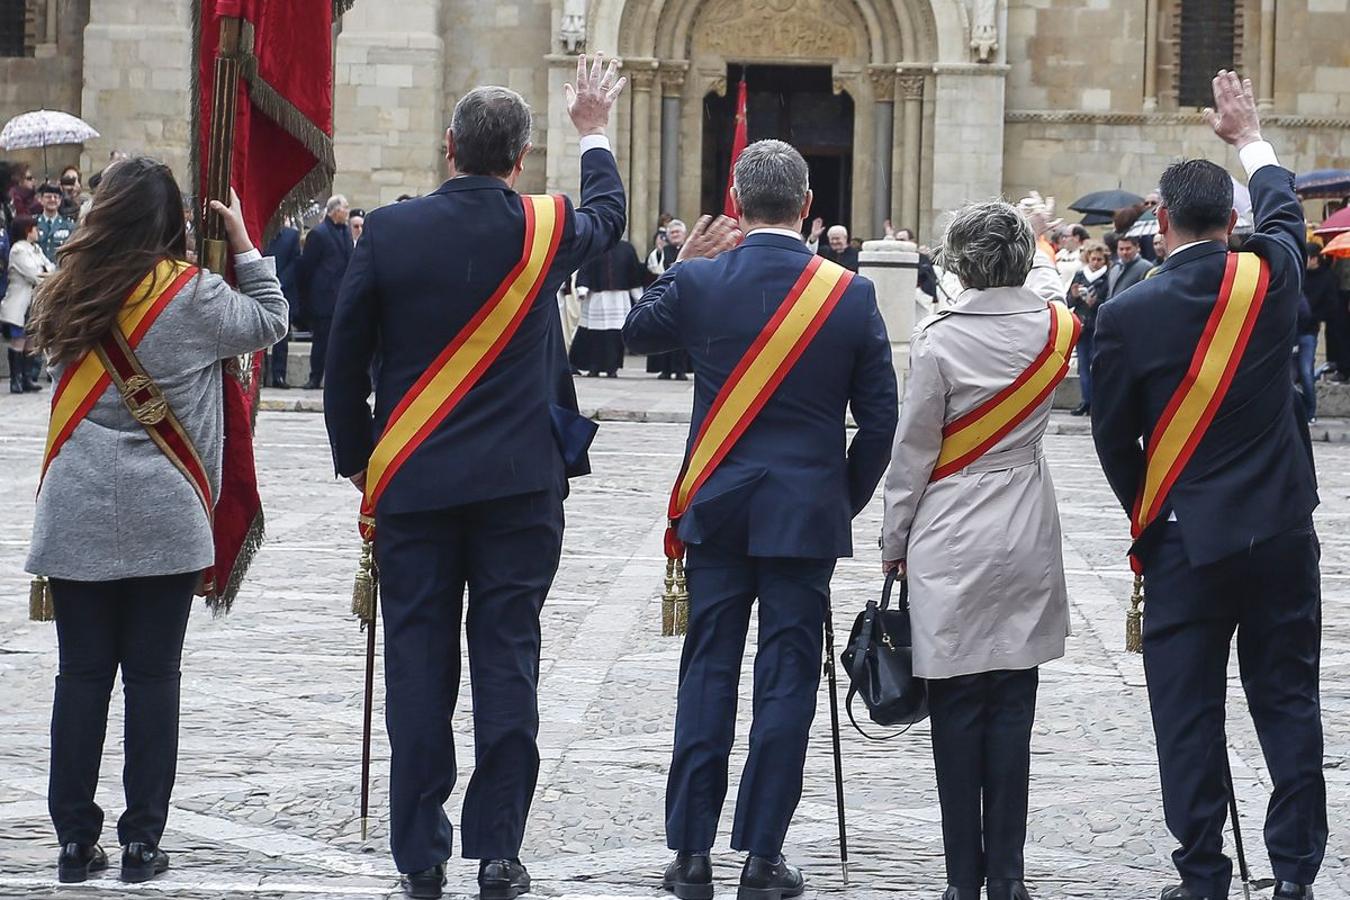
572	29
984	30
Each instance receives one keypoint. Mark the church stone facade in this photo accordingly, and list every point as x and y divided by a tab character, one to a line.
949	100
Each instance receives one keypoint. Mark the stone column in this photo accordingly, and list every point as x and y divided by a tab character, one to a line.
968	114
893	266
389	112
911	88
642	72
672	86
883	131
137	72
1151	13
1265	89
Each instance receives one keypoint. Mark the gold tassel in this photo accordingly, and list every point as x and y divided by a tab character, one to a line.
681	599
1134	619
668	602
40	605
363	591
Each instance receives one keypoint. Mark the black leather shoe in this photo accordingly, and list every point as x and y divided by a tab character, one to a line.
765	880
313	386
960	893
281	385
1005	889
502	879
141	862
1287	890
689	876
1179	892
1080	410
78	861
426	884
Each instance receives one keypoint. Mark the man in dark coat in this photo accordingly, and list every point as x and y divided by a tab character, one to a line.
478	499
328	248
1230	547
285	249
771	520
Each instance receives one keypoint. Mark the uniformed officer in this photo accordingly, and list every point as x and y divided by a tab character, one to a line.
1194	363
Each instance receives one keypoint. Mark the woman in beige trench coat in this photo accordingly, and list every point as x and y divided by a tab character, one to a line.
981	549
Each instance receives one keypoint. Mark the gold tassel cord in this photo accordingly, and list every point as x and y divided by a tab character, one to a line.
681	599
668	602
363	591
1134	619
40	605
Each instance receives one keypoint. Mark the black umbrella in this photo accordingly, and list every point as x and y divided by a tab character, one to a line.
1323	183
1093	218
1105	202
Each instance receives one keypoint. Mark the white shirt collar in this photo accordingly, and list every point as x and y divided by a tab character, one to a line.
785	232
1189	246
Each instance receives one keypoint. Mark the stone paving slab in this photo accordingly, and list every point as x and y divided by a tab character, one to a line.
266	804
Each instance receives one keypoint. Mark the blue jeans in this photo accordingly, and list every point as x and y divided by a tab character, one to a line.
1303	372
1086	350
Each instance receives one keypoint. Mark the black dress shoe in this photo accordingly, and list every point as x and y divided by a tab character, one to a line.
1179	892
664	376
502	879
689	876
1006	889
141	862
78	861
765	880
426	884
1081	409
281	385
960	893
1288	890
313	386
680	376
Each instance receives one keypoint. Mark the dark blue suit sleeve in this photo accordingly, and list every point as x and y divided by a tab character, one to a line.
653	325
875	405
351	347
1117	409
598	223
1280	237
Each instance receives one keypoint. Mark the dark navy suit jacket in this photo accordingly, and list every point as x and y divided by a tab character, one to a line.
328	249
789	487
421	271
1252	476
285	249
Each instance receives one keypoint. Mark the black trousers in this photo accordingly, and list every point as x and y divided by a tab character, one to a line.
506	552
793	595
276	358
981	726
138	624
319	326
1271	596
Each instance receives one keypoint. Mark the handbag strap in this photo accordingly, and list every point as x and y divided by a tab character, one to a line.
891	579
848	707
860	660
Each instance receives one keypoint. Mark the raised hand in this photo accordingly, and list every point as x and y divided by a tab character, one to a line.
711	237
817	228
236	234
1233	116
590	100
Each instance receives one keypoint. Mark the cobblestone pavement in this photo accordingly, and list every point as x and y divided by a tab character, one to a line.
267	799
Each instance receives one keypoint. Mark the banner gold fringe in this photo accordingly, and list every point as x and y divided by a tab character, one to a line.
1134	619
40	606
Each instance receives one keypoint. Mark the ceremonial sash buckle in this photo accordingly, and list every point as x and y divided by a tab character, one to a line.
144	400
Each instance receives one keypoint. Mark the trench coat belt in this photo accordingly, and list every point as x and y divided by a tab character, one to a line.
1003	460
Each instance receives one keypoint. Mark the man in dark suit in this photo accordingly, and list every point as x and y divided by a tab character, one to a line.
772	519
1128	270
285	249
837	247
327	251
480	500
1231	547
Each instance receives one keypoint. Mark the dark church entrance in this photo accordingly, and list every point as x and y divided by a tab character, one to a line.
796	104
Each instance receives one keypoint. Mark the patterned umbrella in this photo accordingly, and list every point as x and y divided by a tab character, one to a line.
43	128
1323	183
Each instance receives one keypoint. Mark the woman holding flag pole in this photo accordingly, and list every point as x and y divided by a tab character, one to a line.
130	476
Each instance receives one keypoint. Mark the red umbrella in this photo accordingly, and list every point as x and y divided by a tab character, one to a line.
1339	248
1337	223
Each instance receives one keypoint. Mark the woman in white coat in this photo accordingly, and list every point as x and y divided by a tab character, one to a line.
28	266
977	534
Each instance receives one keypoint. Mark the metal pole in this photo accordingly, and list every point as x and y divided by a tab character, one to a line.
369	708
220	147
834	729
1237	826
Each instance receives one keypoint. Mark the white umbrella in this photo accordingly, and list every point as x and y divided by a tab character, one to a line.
42	128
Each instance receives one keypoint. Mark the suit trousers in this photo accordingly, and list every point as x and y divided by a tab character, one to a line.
1086	349
319	326
506	552
1271	596
137	624
981	727
793	596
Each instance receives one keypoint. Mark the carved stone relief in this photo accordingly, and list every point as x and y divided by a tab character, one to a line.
572	28
984	30
747	29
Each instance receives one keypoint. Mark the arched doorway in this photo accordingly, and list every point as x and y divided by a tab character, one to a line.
796	104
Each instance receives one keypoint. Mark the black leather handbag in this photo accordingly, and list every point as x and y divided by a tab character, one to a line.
880	664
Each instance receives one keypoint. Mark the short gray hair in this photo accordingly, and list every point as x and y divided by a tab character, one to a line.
771	181
335	202
989	245
491	126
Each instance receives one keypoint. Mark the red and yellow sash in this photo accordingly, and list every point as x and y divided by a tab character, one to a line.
758	374
1192	408
454	373
114	361
969	437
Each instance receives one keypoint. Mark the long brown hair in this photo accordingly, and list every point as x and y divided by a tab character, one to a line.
136	221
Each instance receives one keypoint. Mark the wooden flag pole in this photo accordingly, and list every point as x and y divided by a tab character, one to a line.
220	145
